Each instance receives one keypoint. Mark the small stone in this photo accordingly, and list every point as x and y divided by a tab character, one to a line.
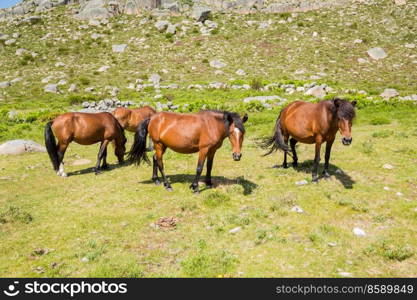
297	209
51	88
358	231
119	48
410	46
399	194
84	259
301	182
218	64
345	274
377	53
4	84
103	69
389	93
235	230
386	188
240	72
331	244
357	41
388	166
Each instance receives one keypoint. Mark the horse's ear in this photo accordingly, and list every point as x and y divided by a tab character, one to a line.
353	103
245	118
337	102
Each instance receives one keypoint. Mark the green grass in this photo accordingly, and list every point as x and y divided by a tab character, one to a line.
103	226
106	219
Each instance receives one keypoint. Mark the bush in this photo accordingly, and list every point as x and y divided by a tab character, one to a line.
256	84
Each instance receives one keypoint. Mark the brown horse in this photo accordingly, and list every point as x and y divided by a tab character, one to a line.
131	118
202	132
84	129
312	123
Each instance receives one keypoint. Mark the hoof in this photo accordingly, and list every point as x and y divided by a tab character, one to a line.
326	176
61	174
285	166
209	185
168	188
157	182
105	167
275	167
295	164
315	180
197	191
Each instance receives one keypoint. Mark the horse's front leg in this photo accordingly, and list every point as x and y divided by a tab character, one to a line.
201	158
101	152
210	158
316	160
329	145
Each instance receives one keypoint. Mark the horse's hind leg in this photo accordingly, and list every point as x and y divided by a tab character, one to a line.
294	153
284	164
155	178
104	165
159	152
200	165
103	147
62	147
210	158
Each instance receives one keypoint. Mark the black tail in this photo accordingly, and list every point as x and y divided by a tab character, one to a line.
275	142
138	151
50	144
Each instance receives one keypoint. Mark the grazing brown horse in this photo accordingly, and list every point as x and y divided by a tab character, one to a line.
312	123
202	132
131	118
84	129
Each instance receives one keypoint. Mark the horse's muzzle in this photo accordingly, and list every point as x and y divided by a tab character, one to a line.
346	141
237	156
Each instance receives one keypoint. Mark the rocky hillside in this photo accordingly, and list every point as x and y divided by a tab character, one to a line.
52	58
110	8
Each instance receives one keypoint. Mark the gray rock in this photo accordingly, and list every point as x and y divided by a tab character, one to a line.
240	72
119	48
301	182
218	64
5	84
297	209
235	230
377	53
172	29
155	79
10	42
317	91
15	147
389	93
51	88
200	12
162	25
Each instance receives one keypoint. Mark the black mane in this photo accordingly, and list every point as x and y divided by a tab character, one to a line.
227	116
344	109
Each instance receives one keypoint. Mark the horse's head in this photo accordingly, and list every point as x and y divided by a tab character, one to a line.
120	148
234	123
345	111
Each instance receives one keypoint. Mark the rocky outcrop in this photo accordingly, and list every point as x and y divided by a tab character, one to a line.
99	9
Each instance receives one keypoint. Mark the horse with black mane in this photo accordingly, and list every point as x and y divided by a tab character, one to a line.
312	123
201	132
84	129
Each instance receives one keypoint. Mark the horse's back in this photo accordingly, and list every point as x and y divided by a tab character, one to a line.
301	120
184	133
86	128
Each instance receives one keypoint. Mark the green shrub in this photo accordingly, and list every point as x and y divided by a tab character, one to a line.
15	214
256	84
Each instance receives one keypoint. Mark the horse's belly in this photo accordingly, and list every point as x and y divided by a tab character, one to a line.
184	150
86	141
305	139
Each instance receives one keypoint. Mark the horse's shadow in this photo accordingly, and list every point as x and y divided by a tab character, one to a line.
307	167
92	169
247	185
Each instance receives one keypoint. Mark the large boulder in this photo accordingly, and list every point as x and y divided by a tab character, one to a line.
94	9
15	147
201	12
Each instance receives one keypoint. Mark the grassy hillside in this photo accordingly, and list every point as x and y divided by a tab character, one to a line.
87	225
